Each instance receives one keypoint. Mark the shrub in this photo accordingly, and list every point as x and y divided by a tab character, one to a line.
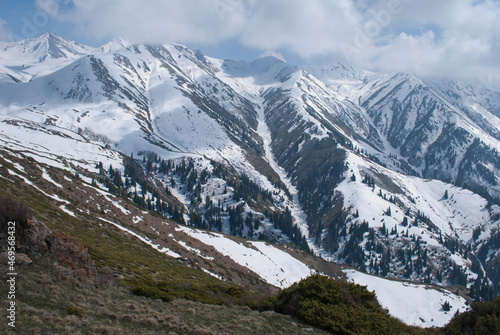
11	210
338	306
151	292
483	318
74	310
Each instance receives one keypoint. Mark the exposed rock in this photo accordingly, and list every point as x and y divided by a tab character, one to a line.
34	237
74	255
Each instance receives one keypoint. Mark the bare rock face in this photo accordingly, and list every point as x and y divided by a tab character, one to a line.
67	251
74	255
34	237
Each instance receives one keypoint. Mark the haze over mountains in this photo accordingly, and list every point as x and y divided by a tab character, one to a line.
389	173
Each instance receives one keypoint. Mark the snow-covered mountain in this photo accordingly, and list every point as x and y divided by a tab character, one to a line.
443	130
330	159
22	61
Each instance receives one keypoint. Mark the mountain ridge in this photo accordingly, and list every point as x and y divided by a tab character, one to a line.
267	150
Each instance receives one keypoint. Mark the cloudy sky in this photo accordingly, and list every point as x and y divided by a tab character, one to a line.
453	38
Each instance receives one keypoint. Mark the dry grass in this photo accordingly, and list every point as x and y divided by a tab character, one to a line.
49	302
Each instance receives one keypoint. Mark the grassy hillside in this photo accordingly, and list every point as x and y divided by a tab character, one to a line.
51	303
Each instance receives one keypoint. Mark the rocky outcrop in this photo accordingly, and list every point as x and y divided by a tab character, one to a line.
72	254
67	251
35	238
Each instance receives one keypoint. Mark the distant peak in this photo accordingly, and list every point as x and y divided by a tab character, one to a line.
338	72
407	77
265	70
50	35
115	44
271	58
44	47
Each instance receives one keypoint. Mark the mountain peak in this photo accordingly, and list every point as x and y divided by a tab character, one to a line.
266	69
37	50
339	73
47	35
115	44
22	60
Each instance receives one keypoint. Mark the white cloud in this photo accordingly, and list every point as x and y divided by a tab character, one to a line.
455	38
427	37
262	24
187	21
304	27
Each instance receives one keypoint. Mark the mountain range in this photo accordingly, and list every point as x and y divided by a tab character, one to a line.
391	174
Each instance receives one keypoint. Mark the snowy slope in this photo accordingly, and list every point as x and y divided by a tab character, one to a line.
443	130
153	111
456	215
478	103
275	266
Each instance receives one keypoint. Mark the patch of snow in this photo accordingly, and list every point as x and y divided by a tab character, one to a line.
194	250
108	196
19	167
57	198
415	305
47	177
26	180
212	274
273	265
67	211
